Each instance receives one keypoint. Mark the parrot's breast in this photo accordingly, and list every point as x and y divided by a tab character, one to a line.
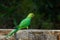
24	23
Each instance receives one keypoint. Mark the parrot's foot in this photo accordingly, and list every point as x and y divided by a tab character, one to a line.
27	27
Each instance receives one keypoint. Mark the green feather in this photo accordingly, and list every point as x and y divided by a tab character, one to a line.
23	24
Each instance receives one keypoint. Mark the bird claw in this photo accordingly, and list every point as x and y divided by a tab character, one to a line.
27	27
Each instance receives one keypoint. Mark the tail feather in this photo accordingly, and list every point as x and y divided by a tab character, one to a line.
12	33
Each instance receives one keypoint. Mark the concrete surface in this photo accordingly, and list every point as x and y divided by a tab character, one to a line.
31	34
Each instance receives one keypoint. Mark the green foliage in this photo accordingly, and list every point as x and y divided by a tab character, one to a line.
46	13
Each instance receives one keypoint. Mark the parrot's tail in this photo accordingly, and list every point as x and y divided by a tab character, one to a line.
12	33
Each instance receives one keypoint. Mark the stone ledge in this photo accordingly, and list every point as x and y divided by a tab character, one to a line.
32	34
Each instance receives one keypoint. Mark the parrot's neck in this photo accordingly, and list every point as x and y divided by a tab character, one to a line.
29	17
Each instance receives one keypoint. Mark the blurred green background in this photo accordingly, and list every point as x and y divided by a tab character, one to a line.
47	13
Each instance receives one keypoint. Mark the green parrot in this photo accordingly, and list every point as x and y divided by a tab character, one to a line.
23	24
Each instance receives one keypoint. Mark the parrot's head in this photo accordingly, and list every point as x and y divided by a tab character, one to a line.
30	15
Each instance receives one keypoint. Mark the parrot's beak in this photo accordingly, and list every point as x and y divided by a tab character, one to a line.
33	15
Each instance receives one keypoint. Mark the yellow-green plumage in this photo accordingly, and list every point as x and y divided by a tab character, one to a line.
23	24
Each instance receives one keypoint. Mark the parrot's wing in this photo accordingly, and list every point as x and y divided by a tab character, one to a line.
24	23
